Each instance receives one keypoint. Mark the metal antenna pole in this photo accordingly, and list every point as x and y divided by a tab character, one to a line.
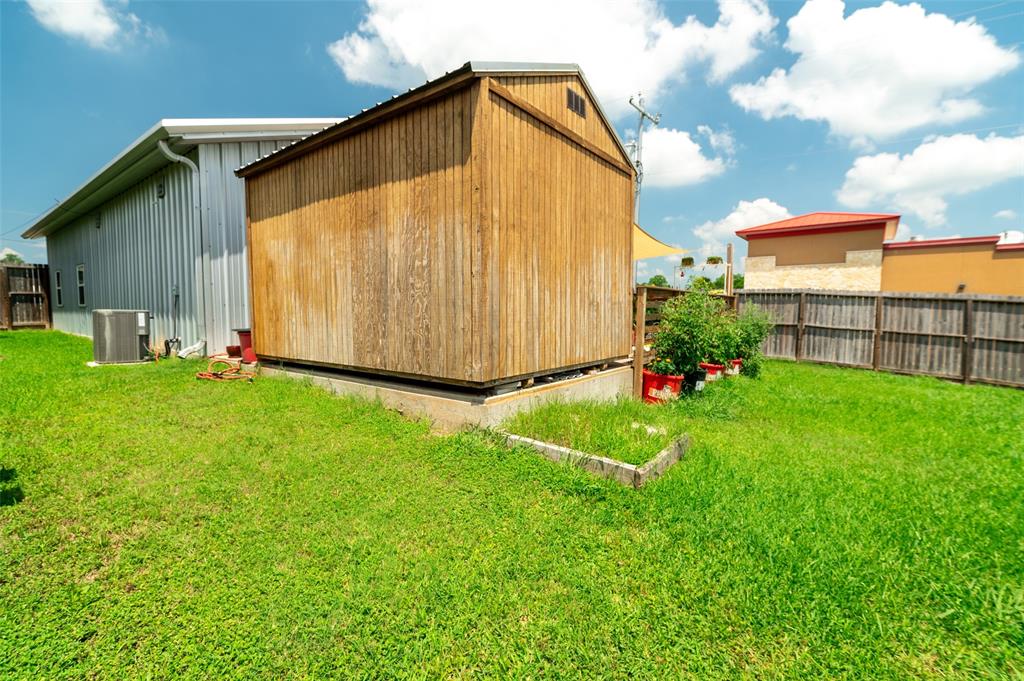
638	148
638	104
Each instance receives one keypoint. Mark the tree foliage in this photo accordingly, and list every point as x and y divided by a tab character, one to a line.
657	280
719	283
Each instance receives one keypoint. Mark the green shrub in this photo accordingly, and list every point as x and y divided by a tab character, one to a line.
727	345
690	330
752	327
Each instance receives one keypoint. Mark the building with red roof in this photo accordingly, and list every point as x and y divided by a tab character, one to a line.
841	251
858	252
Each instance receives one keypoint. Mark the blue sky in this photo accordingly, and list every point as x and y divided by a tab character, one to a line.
767	110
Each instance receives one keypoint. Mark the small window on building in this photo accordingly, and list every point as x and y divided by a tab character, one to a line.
59	281
80	270
577	104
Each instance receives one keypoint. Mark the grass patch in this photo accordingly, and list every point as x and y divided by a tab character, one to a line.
825	523
602	428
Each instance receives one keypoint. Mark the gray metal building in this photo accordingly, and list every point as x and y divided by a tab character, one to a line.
162	227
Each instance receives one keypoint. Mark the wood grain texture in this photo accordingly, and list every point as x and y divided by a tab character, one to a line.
464	240
964	337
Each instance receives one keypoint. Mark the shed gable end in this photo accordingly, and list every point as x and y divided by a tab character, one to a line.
551	94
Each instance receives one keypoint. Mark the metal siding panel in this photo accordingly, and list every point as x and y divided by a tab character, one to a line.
139	252
223	205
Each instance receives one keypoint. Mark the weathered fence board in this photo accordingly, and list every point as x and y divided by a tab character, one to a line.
24	296
964	337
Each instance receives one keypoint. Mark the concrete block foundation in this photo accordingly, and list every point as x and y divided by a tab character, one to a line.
450	409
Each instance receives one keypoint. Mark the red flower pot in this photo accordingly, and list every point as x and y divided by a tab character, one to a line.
660	388
715	371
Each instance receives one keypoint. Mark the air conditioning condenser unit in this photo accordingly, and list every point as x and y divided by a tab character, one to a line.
120	336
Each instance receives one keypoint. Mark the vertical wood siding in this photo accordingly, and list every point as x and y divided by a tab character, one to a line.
548	93
562	239
360	249
460	240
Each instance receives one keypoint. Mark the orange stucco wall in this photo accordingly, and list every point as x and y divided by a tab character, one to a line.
941	269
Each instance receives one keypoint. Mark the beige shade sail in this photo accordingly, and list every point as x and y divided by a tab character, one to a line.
646	246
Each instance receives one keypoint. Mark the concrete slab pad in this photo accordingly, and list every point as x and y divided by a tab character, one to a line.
449	409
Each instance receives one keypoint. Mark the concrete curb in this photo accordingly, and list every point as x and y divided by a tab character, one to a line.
624	473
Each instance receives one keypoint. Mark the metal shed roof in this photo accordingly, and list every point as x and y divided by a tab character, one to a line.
467	70
142	158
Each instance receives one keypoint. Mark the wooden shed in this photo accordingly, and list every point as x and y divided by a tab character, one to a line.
474	231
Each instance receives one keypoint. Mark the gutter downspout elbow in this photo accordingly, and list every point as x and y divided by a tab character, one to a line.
202	275
177	158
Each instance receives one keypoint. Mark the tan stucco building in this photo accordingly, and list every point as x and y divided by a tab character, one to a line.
856	252
841	251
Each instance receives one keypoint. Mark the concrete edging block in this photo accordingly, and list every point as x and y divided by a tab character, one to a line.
624	473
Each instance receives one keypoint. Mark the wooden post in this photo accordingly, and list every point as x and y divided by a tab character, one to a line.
43	284
968	346
876	352
799	351
728	271
639	332
5	299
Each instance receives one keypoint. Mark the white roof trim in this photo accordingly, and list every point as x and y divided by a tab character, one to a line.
189	131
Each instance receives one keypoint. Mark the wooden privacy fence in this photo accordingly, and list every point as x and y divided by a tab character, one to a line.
961	337
647	304
24	297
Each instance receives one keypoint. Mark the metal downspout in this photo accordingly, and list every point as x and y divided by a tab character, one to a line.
197	218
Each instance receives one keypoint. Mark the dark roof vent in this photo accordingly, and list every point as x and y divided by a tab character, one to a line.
576	103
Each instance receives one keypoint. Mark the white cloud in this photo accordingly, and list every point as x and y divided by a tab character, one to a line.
721	141
715	233
1007	214
880	71
95	22
673	159
920	181
401	43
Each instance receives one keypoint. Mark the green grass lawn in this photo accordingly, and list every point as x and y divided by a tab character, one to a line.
825	523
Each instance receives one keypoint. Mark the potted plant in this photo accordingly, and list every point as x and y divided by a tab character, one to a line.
686	262
661	381
714	371
728	351
687	335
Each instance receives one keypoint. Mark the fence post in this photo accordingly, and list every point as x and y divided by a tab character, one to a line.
968	346
876	350
43	281
639	334
5	299
799	350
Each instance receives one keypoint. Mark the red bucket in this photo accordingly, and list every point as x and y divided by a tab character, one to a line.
715	371
660	388
245	341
